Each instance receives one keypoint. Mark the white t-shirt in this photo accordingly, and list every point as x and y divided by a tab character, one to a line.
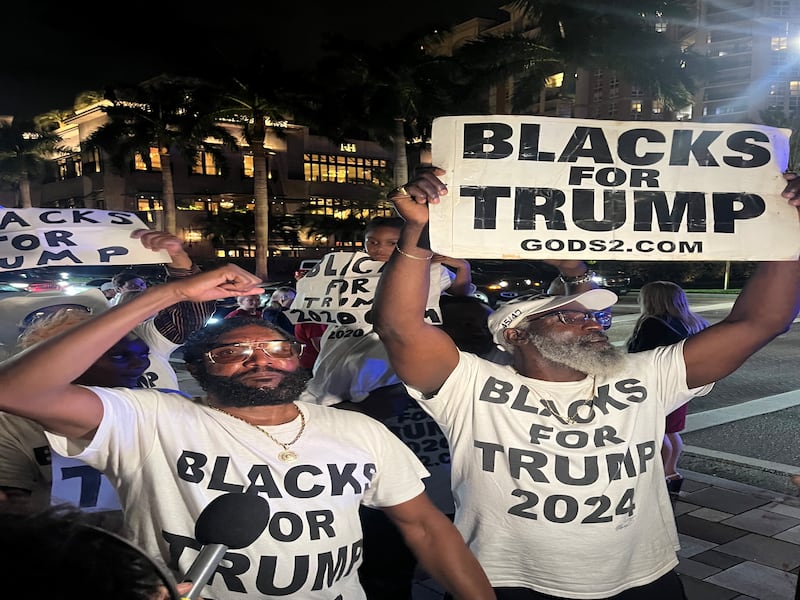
352	360
577	511
168	458
160	373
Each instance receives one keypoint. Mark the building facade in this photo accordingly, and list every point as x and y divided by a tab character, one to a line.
308	175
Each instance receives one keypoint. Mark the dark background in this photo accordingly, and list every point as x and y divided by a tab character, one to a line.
54	51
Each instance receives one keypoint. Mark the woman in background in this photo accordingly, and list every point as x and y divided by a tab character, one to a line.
666	319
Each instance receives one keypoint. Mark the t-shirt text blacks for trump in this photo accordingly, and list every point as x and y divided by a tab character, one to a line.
539	187
38	237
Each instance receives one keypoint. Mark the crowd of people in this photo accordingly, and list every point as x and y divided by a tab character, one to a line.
501	449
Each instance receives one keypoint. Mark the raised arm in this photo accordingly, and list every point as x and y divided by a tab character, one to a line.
462	284
764	309
36	383
422	355
176	322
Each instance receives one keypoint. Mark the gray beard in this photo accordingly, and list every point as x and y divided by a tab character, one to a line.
230	391
581	356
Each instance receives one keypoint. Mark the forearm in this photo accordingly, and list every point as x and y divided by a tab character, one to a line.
402	292
441	551
770	299
50	366
176	322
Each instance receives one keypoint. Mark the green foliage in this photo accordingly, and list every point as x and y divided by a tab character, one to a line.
779	118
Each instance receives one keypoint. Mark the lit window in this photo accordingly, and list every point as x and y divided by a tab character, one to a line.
205	164
247	164
779	43
344	169
657	107
148	203
139	164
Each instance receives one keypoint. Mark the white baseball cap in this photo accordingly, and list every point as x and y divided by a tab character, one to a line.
107	286
512	313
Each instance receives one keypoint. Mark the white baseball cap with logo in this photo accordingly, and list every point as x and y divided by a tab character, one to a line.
512	313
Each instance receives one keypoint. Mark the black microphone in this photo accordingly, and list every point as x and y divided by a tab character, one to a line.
229	521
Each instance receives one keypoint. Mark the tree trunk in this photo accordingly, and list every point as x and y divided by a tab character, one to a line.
400	155
25	192
261	213
168	194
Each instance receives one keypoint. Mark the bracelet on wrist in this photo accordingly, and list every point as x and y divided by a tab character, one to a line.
585	278
412	256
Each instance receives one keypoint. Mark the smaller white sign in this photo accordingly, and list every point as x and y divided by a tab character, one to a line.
340	290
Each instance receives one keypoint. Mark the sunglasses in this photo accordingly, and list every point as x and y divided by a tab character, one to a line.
238	353
576	317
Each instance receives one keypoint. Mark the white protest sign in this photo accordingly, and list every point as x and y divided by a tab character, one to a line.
538	187
40	237
340	289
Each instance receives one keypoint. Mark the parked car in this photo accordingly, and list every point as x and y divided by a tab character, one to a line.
499	281
73	279
611	278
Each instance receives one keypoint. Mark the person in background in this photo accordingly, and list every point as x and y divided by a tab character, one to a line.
466	320
127	281
352	362
275	311
556	458
168	458
666	319
27	478
352	372
109	291
249	306
166	330
309	334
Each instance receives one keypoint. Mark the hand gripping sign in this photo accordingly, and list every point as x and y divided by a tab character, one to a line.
537	187
40	237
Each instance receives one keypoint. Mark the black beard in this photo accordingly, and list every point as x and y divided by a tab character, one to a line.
230	391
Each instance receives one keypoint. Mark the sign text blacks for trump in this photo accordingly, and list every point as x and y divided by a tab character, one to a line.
38	237
540	187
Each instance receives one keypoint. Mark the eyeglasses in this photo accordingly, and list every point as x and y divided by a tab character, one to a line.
575	317
238	353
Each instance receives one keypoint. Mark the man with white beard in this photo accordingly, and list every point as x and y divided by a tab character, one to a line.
556	470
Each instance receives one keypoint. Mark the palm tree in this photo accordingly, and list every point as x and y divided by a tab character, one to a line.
24	153
256	98
171	113
389	93
623	35
779	118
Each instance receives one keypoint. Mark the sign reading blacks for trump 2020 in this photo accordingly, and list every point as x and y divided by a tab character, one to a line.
40	237
541	187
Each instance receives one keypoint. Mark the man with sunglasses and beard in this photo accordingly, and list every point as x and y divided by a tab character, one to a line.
556	469
169	458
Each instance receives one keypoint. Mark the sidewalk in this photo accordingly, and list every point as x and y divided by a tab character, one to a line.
737	542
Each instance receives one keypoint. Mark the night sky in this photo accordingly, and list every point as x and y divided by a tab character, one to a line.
51	55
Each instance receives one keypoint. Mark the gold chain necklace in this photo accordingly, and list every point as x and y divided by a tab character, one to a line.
286	455
571	420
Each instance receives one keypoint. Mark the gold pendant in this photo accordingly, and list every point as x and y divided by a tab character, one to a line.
287	456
